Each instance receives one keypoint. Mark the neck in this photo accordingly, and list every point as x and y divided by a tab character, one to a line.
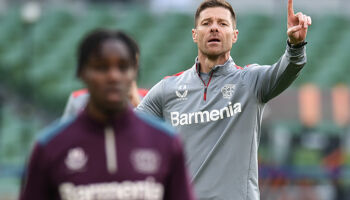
104	115
208	62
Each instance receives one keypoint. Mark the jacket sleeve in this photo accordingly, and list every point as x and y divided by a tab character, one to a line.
178	184
36	185
268	81
152	103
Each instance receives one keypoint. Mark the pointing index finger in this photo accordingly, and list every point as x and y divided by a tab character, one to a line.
290	8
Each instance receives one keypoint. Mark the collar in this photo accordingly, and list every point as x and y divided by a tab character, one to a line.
218	69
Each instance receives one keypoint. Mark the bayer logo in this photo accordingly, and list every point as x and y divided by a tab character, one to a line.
228	90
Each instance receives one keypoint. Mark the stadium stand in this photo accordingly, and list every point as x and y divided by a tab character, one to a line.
37	62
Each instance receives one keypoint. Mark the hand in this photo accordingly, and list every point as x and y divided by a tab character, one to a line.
297	25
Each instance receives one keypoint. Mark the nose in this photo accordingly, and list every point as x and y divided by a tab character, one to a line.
214	28
114	74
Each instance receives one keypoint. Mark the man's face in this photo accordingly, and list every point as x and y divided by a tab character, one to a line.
215	32
108	76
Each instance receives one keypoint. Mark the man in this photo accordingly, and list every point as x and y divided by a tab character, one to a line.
217	106
78	99
107	152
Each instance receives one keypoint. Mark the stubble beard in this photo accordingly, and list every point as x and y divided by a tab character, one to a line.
213	55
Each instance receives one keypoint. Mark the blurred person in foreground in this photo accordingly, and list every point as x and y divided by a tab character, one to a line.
107	151
78	99
217	106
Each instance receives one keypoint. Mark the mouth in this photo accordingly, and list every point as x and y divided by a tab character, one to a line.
113	92
214	40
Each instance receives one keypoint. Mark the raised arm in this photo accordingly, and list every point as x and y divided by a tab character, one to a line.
268	81
297	25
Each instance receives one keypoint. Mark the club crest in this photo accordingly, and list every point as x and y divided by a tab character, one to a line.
76	159
146	161
228	90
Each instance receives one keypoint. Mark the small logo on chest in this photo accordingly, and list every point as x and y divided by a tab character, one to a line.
145	161
181	92
228	90
76	159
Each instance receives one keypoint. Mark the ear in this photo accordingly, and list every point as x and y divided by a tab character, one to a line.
235	36
194	35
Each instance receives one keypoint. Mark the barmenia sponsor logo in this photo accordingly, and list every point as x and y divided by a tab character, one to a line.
205	116
132	190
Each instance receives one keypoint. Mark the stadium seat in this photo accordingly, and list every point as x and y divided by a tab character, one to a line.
39	63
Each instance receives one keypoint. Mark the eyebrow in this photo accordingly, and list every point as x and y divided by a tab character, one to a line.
210	19
224	20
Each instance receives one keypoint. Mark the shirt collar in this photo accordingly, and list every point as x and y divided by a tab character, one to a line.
217	68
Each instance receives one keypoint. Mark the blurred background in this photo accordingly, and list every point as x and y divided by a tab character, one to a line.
305	144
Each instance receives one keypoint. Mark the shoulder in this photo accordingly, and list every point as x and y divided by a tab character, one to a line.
239	69
174	75
179	76
78	97
156	123
142	92
80	93
246	67
53	130
169	81
250	68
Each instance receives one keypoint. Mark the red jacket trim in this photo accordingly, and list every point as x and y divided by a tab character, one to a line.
238	67
78	93
142	92
177	74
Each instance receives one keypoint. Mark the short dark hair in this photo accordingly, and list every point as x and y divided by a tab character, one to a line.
212	4
91	44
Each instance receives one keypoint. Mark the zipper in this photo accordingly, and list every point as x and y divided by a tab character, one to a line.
110	150
206	85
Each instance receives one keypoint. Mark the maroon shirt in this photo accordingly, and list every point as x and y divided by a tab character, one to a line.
136	158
